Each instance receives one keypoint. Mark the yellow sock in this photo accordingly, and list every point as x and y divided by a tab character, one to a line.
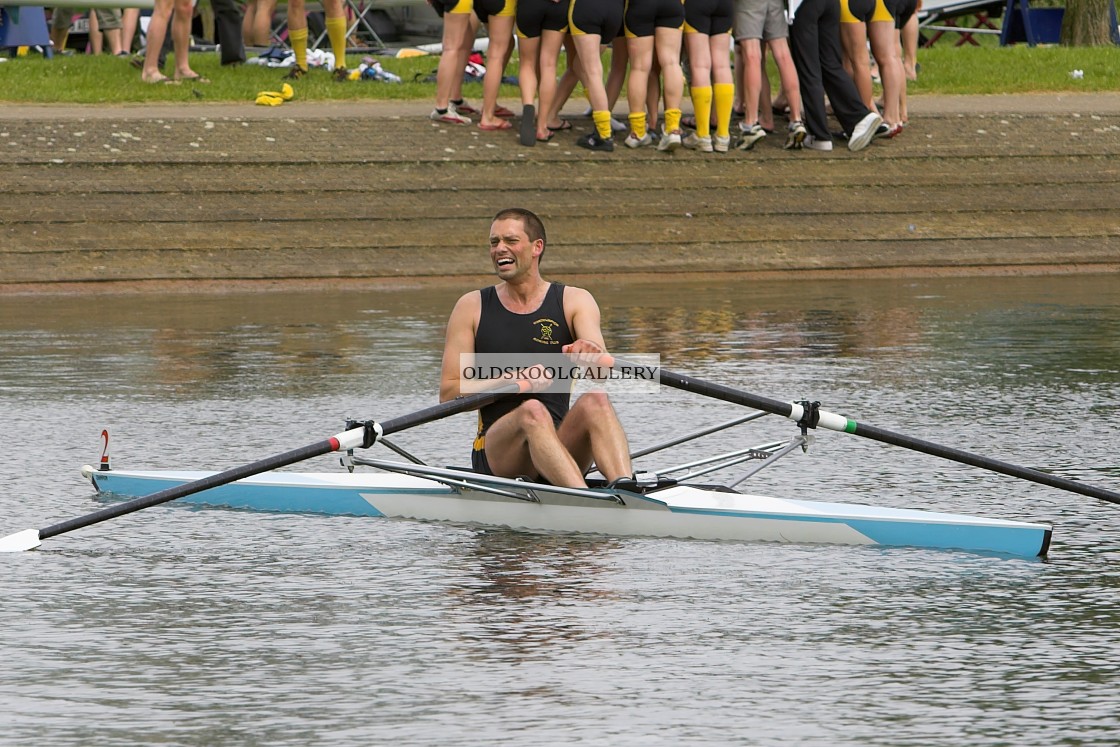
298	39
602	120
672	120
702	108
638	124
724	98
336	32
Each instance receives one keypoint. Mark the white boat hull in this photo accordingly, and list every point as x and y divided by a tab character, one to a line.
680	511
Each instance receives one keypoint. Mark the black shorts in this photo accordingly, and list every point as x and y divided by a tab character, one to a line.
902	10
479	463
711	17
486	8
535	16
601	17
643	17
482	8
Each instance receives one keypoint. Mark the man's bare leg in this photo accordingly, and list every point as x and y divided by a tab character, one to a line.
591	431
525	442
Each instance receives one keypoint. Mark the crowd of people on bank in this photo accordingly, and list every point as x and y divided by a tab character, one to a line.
820	49
237	24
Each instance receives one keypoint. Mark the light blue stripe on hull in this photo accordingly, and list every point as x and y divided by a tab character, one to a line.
290	499
1023	540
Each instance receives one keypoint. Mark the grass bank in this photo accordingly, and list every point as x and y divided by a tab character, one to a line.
83	79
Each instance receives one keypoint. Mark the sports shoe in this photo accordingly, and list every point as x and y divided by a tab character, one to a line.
592	141
463	107
813	143
633	141
670	141
341	75
451	116
889	131
617	126
295	72
721	144
863	132
796	137
696	142
749	135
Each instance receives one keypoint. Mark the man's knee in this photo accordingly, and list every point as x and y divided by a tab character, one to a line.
595	404
532	414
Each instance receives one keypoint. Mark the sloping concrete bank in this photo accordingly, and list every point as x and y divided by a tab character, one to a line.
148	197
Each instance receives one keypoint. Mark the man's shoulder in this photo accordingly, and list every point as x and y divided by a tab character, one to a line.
576	294
468	301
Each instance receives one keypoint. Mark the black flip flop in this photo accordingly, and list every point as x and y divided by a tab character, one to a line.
564	125
528	125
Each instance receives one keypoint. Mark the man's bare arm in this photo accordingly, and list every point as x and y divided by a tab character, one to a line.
461	328
585	322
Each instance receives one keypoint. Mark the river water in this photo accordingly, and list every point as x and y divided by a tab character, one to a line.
189	626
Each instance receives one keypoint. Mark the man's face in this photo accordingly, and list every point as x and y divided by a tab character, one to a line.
510	249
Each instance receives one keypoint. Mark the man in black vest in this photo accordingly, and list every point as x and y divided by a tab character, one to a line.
535	435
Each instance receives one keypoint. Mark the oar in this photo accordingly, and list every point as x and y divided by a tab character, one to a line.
811	416
365	434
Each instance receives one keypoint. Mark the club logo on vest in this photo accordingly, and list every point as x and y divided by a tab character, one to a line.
545	329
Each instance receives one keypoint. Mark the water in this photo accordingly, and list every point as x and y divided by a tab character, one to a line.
187	626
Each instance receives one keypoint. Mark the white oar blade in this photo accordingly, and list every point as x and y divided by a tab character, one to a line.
28	539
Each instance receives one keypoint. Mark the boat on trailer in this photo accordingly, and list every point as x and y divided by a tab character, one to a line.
678	502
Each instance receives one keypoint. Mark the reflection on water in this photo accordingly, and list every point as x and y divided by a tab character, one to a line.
180	625
514	584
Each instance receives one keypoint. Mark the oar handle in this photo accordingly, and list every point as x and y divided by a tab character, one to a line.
812	416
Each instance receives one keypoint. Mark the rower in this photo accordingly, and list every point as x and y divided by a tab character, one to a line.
540	434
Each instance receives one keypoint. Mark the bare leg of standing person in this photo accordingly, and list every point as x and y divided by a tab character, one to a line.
181	41
449	74
157	32
500	28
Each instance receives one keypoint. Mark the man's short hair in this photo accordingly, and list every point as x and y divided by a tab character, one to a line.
534	227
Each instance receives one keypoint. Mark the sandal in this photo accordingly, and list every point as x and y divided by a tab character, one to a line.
564	125
196	78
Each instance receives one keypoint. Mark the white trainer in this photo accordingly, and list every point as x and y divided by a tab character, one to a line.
670	141
696	142
812	143
633	141
863	132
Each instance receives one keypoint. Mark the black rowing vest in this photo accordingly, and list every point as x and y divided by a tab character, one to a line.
502	331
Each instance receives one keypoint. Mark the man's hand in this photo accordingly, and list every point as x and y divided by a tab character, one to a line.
584	352
537	378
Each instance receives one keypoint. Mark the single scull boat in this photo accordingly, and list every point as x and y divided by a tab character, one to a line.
656	505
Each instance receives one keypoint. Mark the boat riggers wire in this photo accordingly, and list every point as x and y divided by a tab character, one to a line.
797	411
351	438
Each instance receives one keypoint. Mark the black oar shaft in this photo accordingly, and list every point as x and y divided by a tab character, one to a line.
349	439
841	423
190	488
450	407
725	393
976	460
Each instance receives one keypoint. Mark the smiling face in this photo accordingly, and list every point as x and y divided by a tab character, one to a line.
512	252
